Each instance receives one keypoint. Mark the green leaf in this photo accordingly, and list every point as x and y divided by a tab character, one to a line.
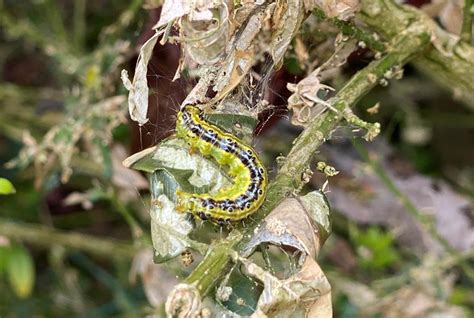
244	295
6	187
20	271
4	255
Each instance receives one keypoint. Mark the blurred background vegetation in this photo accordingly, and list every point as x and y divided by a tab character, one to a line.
73	220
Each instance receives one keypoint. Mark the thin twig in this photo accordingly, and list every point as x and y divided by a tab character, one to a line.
46	237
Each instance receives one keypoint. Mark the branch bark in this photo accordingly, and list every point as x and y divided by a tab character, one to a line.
447	62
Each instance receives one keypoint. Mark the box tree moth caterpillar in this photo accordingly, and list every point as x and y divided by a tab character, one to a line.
249	177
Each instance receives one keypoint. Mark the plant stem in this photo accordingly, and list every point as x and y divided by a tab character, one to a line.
46	237
216	260
290	176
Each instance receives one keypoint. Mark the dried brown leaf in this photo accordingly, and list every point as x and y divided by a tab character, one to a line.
138	88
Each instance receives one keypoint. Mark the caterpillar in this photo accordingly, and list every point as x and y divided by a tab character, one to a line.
249	177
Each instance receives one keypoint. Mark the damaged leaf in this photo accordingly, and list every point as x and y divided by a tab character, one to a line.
138	88
305	294
169	229
287	18
302	223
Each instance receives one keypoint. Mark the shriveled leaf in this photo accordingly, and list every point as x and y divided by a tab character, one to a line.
173	9
304	294
6	187
335	8
309	96
301	223
288	16
20	271
185	301
138	88
207	33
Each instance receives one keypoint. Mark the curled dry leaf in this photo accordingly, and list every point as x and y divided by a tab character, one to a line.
226	40
138	88
157	282
287	18
174	9
185	301
304	225
305	294
206	37
341	9
304	102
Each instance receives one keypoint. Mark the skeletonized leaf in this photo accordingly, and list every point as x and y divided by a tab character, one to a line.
305	294
169	229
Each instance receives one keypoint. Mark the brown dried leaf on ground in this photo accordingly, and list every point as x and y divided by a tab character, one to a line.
359	193
421	292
